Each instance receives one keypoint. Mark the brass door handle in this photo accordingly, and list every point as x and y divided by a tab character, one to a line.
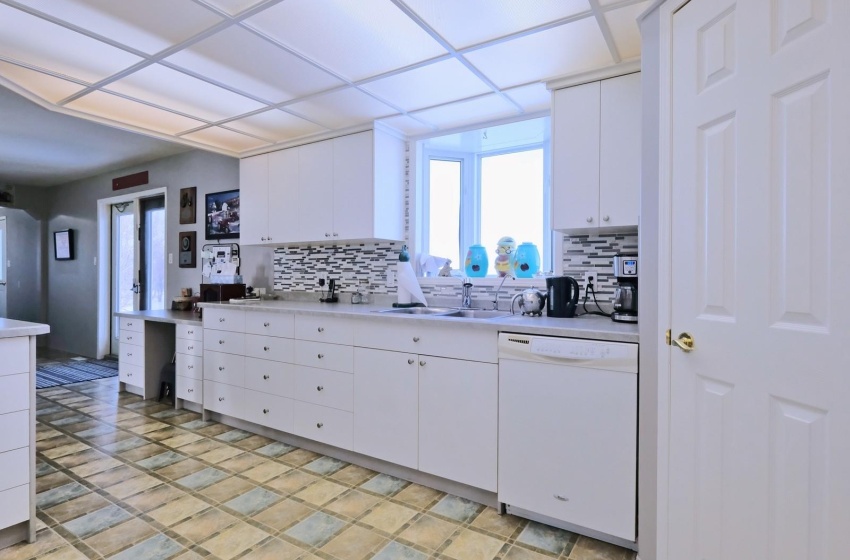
685	342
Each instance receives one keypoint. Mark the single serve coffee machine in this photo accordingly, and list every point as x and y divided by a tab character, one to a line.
625	292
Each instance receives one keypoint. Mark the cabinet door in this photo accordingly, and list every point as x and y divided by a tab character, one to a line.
315	191
353	209
253	199
386	405
458	408
575	157
619	155
283	196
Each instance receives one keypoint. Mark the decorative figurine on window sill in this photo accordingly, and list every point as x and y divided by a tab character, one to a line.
504	249
446	270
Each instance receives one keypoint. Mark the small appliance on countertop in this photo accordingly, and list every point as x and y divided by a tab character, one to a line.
625	293
561	296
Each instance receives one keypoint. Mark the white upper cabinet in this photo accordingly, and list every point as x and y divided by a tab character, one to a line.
343	189
596	154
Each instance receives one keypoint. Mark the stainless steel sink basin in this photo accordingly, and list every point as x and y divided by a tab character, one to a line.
447	312
478	313
419	310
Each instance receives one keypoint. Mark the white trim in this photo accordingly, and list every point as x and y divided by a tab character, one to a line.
629	66
104	253
478	125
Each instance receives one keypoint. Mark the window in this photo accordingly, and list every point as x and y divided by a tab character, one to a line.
482	185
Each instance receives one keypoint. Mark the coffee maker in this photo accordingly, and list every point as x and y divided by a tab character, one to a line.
625	292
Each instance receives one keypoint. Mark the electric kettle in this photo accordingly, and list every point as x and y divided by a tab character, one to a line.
531	302
562	296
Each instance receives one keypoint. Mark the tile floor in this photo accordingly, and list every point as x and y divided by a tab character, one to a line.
128	479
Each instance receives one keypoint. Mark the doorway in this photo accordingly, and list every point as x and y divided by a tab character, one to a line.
3	264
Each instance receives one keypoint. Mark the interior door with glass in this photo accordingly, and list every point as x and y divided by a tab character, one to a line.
3	261
125	264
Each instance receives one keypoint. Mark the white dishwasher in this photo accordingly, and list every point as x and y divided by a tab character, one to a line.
568	433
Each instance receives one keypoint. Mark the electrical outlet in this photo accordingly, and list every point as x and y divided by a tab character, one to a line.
590	279
390	278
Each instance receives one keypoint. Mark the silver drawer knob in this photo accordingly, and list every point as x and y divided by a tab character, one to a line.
265	377
266	348
220	399
321	329
605	218
221	342
129	354
191	347
220	368
191	391
129	338
266	324
191	367
265	411
191	332
589	219
221	319
320	388
336	235
415	339
319	424
410	361
421	362
327	235
562	498
321	356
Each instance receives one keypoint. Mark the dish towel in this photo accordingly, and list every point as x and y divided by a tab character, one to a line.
408	285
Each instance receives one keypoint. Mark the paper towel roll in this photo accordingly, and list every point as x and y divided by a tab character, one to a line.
408	285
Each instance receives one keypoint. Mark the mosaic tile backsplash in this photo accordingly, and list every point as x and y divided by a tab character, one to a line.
365	265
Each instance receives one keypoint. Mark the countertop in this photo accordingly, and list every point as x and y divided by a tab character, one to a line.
9	328
588	327
165	316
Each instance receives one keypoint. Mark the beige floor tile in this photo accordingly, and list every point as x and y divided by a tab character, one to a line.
253	442
502	525
353	504
120	537
61	451
143	452
51	480
353	475
151	499
429	532
106	479
266	470
291	482
354	543
178	510
201	446
470	545
189	555
148	427
227	489
46	541
166	433
519	553
592	549
234	540
389	517
321	492
204	525
299	457
181	469
242	462
95	467
419	496
133	486
284	514
46	433
181	440
64	553
214	430
77	507
275	549
79	458
221	454
132	420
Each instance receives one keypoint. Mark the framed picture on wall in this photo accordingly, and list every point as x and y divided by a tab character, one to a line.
222	210
188	204
63	245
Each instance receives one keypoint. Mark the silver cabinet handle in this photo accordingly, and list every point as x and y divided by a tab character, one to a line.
265	377
589	219
129	354
220	368
319	424
266	348
220	399
191	347
415	339
221	342
221	319
191	367
605	218
130	324
320	388
321	329
266	324
191	332
129	338
562	498
410	361
265	411
321	356
336	234
421	362
190	391
327	235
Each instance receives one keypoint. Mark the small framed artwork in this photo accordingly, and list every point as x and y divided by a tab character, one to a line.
222	210
187	249
188	198
63	245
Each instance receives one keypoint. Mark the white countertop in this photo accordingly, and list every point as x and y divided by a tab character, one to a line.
9	328
165	316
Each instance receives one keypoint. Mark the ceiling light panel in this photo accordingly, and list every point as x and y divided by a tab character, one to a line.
532	98
354	39
429	85
44	86
34	41
563	50
225	139
483	109
240	59
624	28
122	110
407	125
472	22
149	26
174	90
231	7
342	109
276	125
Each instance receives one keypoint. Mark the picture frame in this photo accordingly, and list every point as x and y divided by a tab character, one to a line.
63	245
188	205
222	215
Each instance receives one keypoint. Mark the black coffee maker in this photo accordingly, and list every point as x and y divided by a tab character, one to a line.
561	296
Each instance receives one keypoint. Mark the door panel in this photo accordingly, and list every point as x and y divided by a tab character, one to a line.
3	270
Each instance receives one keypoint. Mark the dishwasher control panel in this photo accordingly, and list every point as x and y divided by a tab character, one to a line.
598	354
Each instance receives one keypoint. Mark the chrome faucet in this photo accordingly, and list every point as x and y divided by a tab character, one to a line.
466	295
496	295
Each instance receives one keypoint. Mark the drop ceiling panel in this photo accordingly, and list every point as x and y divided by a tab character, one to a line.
40	43
407	125
482	109
429	85
256	67
472	22
232	7
133	113
276	125
624	28
354	39
174	90
225	139
348	107
43	85
566	49
149	26
531	98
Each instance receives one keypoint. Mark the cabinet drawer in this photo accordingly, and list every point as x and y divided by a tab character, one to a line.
190	389
14	393
189	346
324	356
15	466
132	337
16	506
131	374
225	399
224	319
449	341
269	348
269	410
224	368
190	366
320	423
190	332
14	431
127	324
270	324
131	354
225	341
16	355
324	329
326	388
277	378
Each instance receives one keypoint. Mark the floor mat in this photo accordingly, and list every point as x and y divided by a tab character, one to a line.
52	375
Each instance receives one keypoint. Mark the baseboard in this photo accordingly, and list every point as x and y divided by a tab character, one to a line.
14	534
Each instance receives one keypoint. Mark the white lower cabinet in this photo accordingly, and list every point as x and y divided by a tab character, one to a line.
189	369
269	410
224	399
324	387
324	424
190	389
16	505
265	376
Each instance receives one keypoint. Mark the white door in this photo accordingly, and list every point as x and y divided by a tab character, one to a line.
125	266
315	191
353	205
254	195
283	196
760	408
3	262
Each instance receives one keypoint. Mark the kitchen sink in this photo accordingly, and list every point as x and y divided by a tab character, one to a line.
447	312
478	313
419	310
